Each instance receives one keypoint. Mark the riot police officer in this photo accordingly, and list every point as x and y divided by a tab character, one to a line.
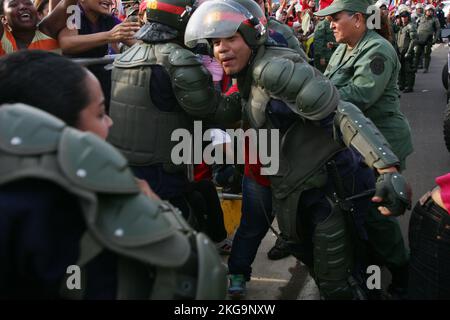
158	86
406	40
428	31
282	92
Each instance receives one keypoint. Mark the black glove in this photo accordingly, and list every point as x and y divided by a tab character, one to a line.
395	192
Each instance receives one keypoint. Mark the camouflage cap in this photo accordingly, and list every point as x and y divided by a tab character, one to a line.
345	5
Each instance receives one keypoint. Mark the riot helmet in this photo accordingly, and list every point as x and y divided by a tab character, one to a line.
223	18
430	7
173	13
403	11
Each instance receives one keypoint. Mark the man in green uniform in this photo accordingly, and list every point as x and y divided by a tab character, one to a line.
406	39
428	32
281	92
365	68
324	44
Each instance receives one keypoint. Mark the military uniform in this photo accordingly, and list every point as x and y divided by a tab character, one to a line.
367	77
406	39
427	33
156	255
280	91
322	36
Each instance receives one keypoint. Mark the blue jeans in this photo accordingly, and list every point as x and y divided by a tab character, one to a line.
255	221
429	240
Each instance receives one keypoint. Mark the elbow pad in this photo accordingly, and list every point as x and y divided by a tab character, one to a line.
192	84
306	91
358	131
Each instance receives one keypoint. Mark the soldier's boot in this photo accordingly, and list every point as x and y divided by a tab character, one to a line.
427	65
333	260
398	289
401	83
410	79
279	251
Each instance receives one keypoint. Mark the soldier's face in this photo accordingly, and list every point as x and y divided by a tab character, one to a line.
405	20
343	25
232	53
93	117
429	13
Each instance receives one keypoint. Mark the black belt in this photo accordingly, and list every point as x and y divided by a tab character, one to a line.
432	208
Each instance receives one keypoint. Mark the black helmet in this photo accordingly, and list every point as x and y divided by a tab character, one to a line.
173	13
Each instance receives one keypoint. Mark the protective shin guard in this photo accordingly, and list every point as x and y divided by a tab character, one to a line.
333	258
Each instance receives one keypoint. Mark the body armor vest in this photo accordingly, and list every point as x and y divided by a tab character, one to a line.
141	131
404	38
159	255
426	29
304	148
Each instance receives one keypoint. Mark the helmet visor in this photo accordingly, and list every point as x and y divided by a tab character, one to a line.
215	19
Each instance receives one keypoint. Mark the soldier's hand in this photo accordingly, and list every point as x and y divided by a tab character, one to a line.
323	62
393	194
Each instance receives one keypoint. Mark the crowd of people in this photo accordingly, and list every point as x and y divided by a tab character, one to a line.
87	176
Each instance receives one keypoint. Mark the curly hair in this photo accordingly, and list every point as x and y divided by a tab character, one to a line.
46	81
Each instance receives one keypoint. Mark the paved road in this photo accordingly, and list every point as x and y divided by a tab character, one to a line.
287	279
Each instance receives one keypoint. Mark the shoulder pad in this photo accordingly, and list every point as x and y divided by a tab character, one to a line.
282	53
25	130
184	57
163	51
167	48
137	55
141	228
93	164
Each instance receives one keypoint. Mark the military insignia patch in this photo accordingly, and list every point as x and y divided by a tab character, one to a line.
377	65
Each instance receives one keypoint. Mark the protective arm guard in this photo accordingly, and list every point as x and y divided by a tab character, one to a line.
306	91
194	89
359	132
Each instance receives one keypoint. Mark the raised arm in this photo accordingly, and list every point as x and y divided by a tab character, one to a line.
57	18
73	43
